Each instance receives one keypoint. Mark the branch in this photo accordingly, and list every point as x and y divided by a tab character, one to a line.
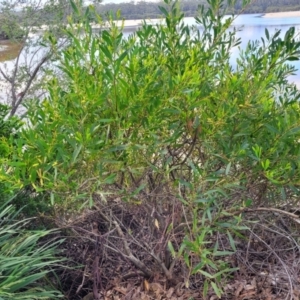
245	210
129	254
276	210
163	266
5	76
13	79
32	77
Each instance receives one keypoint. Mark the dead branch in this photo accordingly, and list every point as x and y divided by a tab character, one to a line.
275	210
129	254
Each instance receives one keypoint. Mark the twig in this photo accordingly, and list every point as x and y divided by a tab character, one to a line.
132	274
235	212
96	273
82	282
91	232
129	254
162	264
279	259
276	210
191	148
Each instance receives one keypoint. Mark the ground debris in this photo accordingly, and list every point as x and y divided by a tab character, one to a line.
267	258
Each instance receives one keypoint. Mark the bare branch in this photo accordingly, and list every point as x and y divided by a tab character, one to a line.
129	254
29	82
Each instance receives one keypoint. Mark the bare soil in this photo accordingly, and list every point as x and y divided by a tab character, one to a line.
9	50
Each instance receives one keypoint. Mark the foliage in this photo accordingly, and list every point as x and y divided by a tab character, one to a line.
165	107
8	126
10	30
9	135
8	132
25	262
263	6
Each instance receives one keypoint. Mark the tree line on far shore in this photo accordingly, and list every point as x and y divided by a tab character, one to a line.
144	9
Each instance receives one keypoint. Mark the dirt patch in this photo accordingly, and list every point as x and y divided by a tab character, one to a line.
9	50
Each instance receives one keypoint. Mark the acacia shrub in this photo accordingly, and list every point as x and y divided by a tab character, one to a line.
8	133
164	110
131	103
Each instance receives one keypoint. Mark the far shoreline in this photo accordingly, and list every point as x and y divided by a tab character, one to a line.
284	14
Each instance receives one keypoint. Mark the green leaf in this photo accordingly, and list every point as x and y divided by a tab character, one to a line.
198	267
52	199
23	260
106	52
267	34
171	248
294	131
226	270
216	289
231	241
163	10
140	188
76	153
122	56
205	288
206	274
110	179
74	7
228	169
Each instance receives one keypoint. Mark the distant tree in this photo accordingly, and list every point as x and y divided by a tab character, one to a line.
144	9
10	29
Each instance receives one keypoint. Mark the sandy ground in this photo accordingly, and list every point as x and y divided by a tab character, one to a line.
286	14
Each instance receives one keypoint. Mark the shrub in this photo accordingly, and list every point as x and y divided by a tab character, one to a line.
8	134
9	29
166	99
164	112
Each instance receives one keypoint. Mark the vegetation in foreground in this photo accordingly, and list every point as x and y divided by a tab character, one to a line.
156	155
25	262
